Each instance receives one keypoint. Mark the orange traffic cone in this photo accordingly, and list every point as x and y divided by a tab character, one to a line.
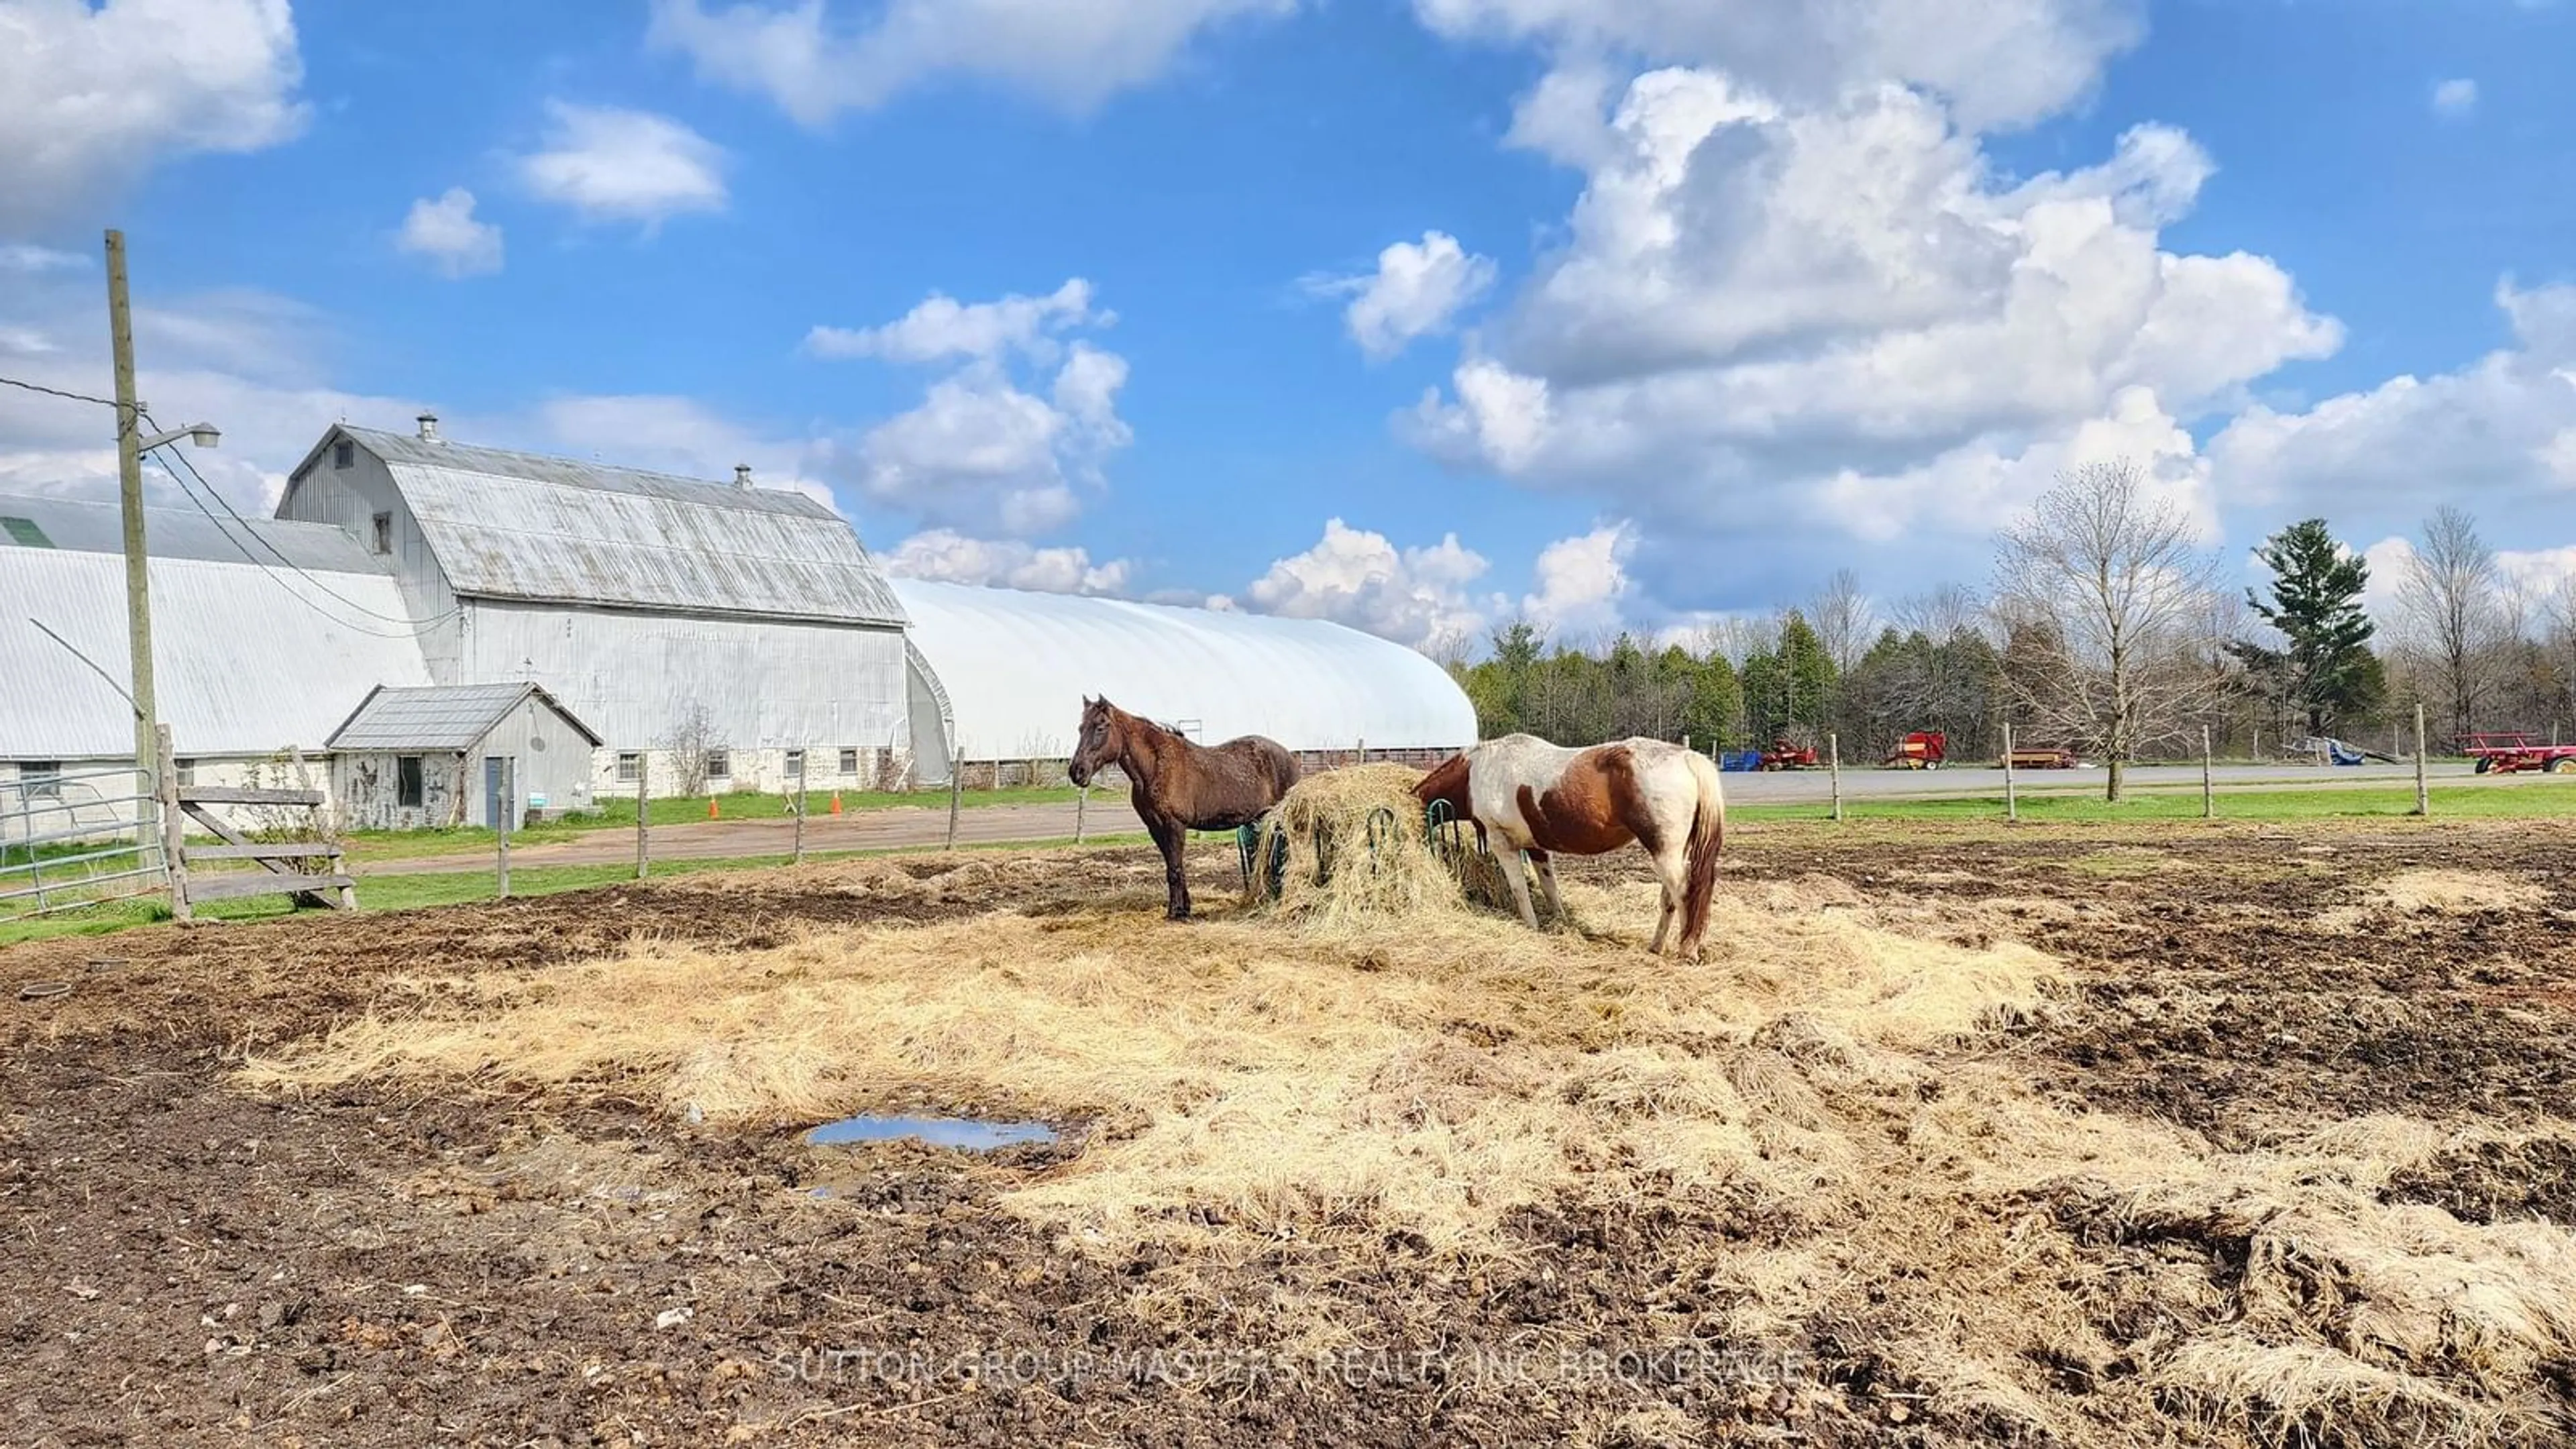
711	807
836	802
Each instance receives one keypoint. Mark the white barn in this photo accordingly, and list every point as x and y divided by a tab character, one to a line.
1008	670
743	624
264	636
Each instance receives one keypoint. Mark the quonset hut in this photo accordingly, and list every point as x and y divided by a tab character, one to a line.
1000	674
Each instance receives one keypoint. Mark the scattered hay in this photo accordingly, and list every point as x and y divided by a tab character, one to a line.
2457	892
1822	1111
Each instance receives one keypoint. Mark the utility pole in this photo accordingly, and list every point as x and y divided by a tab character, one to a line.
138	581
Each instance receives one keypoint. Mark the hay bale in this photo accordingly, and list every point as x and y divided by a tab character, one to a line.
1350	844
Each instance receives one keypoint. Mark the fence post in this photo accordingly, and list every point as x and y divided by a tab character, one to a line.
509	803
956	788
2423	796
803	768
643	814
2012	807
2208	792
1081	806
1834	763
174	859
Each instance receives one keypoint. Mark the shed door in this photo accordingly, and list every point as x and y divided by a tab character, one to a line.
496	772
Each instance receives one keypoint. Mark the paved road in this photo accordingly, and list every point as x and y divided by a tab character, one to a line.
1110	814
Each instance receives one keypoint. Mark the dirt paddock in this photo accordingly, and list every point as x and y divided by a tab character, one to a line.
2111	1136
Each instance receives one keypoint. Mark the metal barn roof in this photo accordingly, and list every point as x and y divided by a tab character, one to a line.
525	526
1016	666
87	527
246	659
440	717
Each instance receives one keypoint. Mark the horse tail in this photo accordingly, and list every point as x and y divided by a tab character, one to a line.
1707	838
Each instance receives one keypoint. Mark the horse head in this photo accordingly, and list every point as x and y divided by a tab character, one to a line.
1099	742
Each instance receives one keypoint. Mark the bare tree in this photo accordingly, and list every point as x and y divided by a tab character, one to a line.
2113	580
692	743
2452	593
1841	618
1940	615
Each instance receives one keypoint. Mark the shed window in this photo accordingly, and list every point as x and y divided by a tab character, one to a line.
407	782
343	454
41	779
384	533
796	764
630	766
719	765
849	762
187	771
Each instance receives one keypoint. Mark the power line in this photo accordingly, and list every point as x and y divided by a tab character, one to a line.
248	528
57	392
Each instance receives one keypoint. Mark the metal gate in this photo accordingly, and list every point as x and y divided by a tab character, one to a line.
71	838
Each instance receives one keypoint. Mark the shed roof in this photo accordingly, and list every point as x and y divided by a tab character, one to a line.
247	659
526	526
440	717
1016	666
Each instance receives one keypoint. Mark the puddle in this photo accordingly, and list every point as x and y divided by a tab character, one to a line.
959	1132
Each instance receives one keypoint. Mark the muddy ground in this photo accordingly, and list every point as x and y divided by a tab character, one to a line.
189	1264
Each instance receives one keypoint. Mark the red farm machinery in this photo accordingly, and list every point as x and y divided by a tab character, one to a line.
2513	752
1921	750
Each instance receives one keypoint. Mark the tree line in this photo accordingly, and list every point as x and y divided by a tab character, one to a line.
2105	628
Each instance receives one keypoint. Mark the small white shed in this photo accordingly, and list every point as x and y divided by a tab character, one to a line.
460	754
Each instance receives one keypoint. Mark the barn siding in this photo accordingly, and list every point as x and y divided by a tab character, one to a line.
350	498
766	686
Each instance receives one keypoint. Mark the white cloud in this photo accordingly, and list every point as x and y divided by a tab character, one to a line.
1582	584
1001	445
1352	576
613	164
951	557
1998	63
1766	317
813	65
446	232
100	94
2455	97
2499	427
1417	288
940	328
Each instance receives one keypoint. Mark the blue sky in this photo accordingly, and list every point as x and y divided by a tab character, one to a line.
1606	312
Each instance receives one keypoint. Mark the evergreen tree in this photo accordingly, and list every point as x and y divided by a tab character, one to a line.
2327	671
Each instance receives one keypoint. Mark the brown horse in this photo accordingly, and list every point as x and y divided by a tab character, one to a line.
1181	786
1541	798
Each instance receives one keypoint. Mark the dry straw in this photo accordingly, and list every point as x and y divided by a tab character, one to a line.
1246	1091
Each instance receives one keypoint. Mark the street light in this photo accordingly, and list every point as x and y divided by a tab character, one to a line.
203	435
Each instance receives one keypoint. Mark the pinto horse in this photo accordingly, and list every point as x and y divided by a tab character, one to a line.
1180	786
1545	799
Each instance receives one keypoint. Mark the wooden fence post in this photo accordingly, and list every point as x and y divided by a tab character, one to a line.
643	814
2012	807
2423	796
1081	806
509	803
2208	792
174	859
956	788
803	767
1834	763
